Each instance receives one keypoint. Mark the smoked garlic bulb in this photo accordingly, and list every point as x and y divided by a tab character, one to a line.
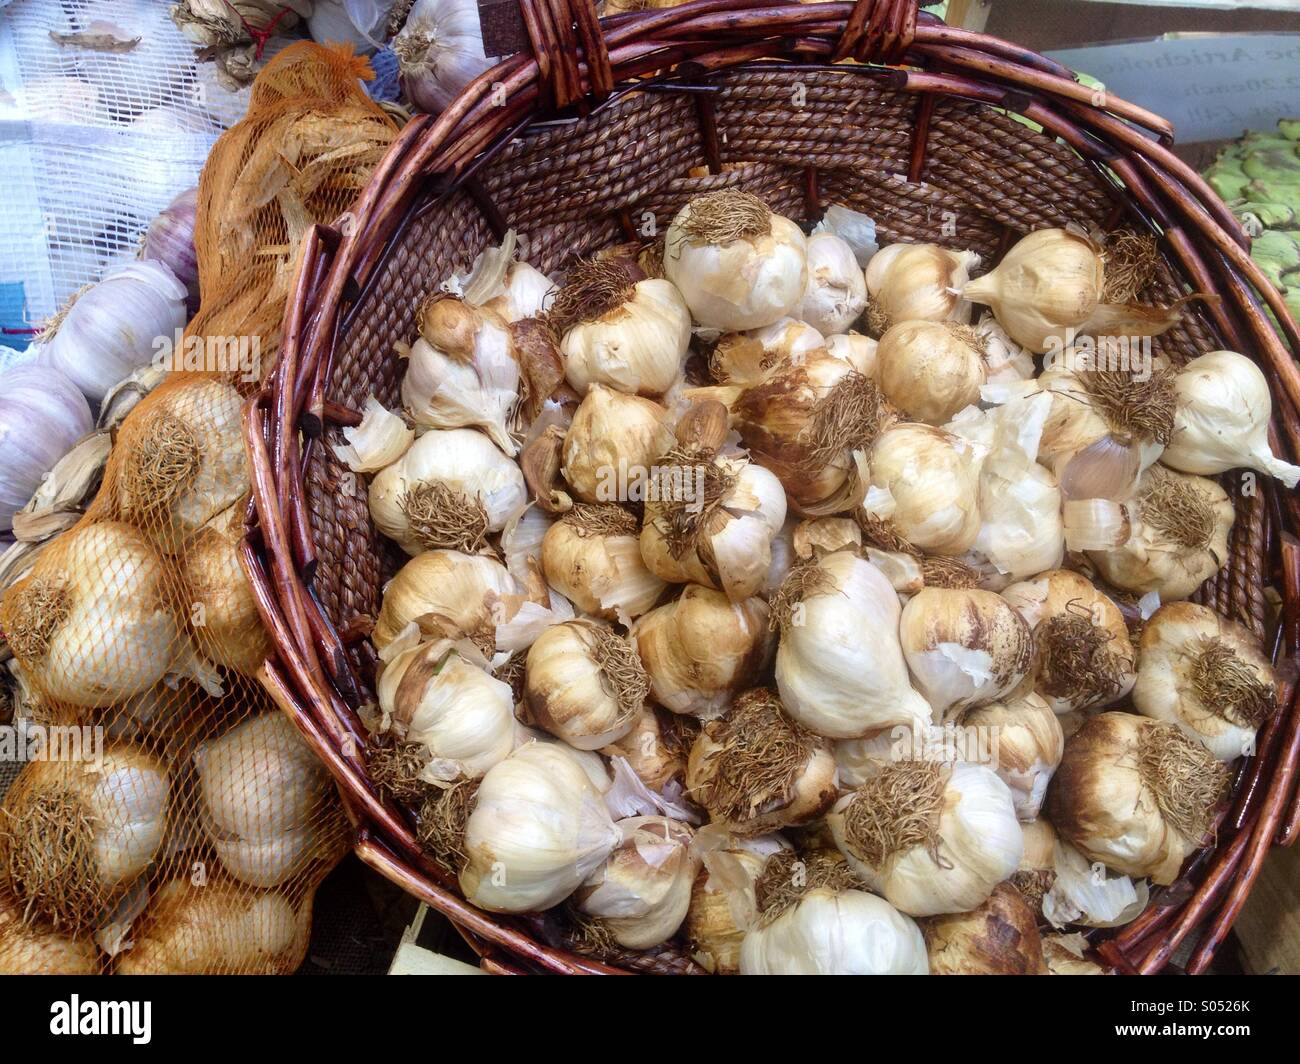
837	289
656	747
925	485
1029	744
1207	675
724	903
445	593
930	370
999	937
592	556
612	443
918	282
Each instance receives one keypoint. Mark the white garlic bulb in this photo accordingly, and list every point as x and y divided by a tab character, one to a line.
738	265
837	289
1207	675
701	648
930	838
612	443
831	679
268	804
1135	794
448	594
592	556
641	893
723	900
1221	420
584	684
930	370
448	491
538	829
440	49
925	484
1029	746
918	282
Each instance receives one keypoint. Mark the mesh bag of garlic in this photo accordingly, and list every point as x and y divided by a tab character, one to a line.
171	819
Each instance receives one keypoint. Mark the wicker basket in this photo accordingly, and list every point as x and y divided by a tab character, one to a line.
573	143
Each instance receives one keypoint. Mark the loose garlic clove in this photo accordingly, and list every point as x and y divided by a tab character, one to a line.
1135	794
918	282
641	894
592	556
930	370
964	647
612	444
701	648
1084	658
446	594
584	684
1179	536
837	289
738	265
735	774
930	838
831	679
380	440
1029	746
448	491
999	937
538	828
1207	675
925	484
1221	420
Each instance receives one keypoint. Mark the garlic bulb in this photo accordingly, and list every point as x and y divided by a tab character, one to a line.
1084	892
592	557
447	593
98	579
448	491
1037	871
1178	536
75	833
837	289
462	719
930	838
269	805
1005	361
462	373
999	937
227	627
1029	746
831	679
1221	420
170	236
724	903
538	829
755	770
115	326
701	648
42	415
380	440
440	49
27	950
858	350
745	358
180	460
964	647
930	370
629	336
1207	675
918	282
859	760
925	484
584	684
613	441
656	747
738	265
1084	657
1135	794
221	927
642	891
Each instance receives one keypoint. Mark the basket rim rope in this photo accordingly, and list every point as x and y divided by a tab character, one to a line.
575	66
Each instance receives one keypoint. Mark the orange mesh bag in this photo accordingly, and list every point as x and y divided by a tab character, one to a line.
173	820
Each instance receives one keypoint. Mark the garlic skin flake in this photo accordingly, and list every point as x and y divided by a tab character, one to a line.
1207	675
1079	895
839	666
538	829
380	440
918	282
1221	420
837	288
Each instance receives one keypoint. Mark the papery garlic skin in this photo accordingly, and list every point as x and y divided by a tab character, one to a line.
1064	955
1121	778
964	647
643	890
925	483
701	648
977	841
1221	421
380	440
613	440
930	370
464	718
1084	893
1005	361
827	932
592	556
538	829
918	282
637	348
837	288
1029	744
834	681
999	937
744	283
463	464
1207	675
450	593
